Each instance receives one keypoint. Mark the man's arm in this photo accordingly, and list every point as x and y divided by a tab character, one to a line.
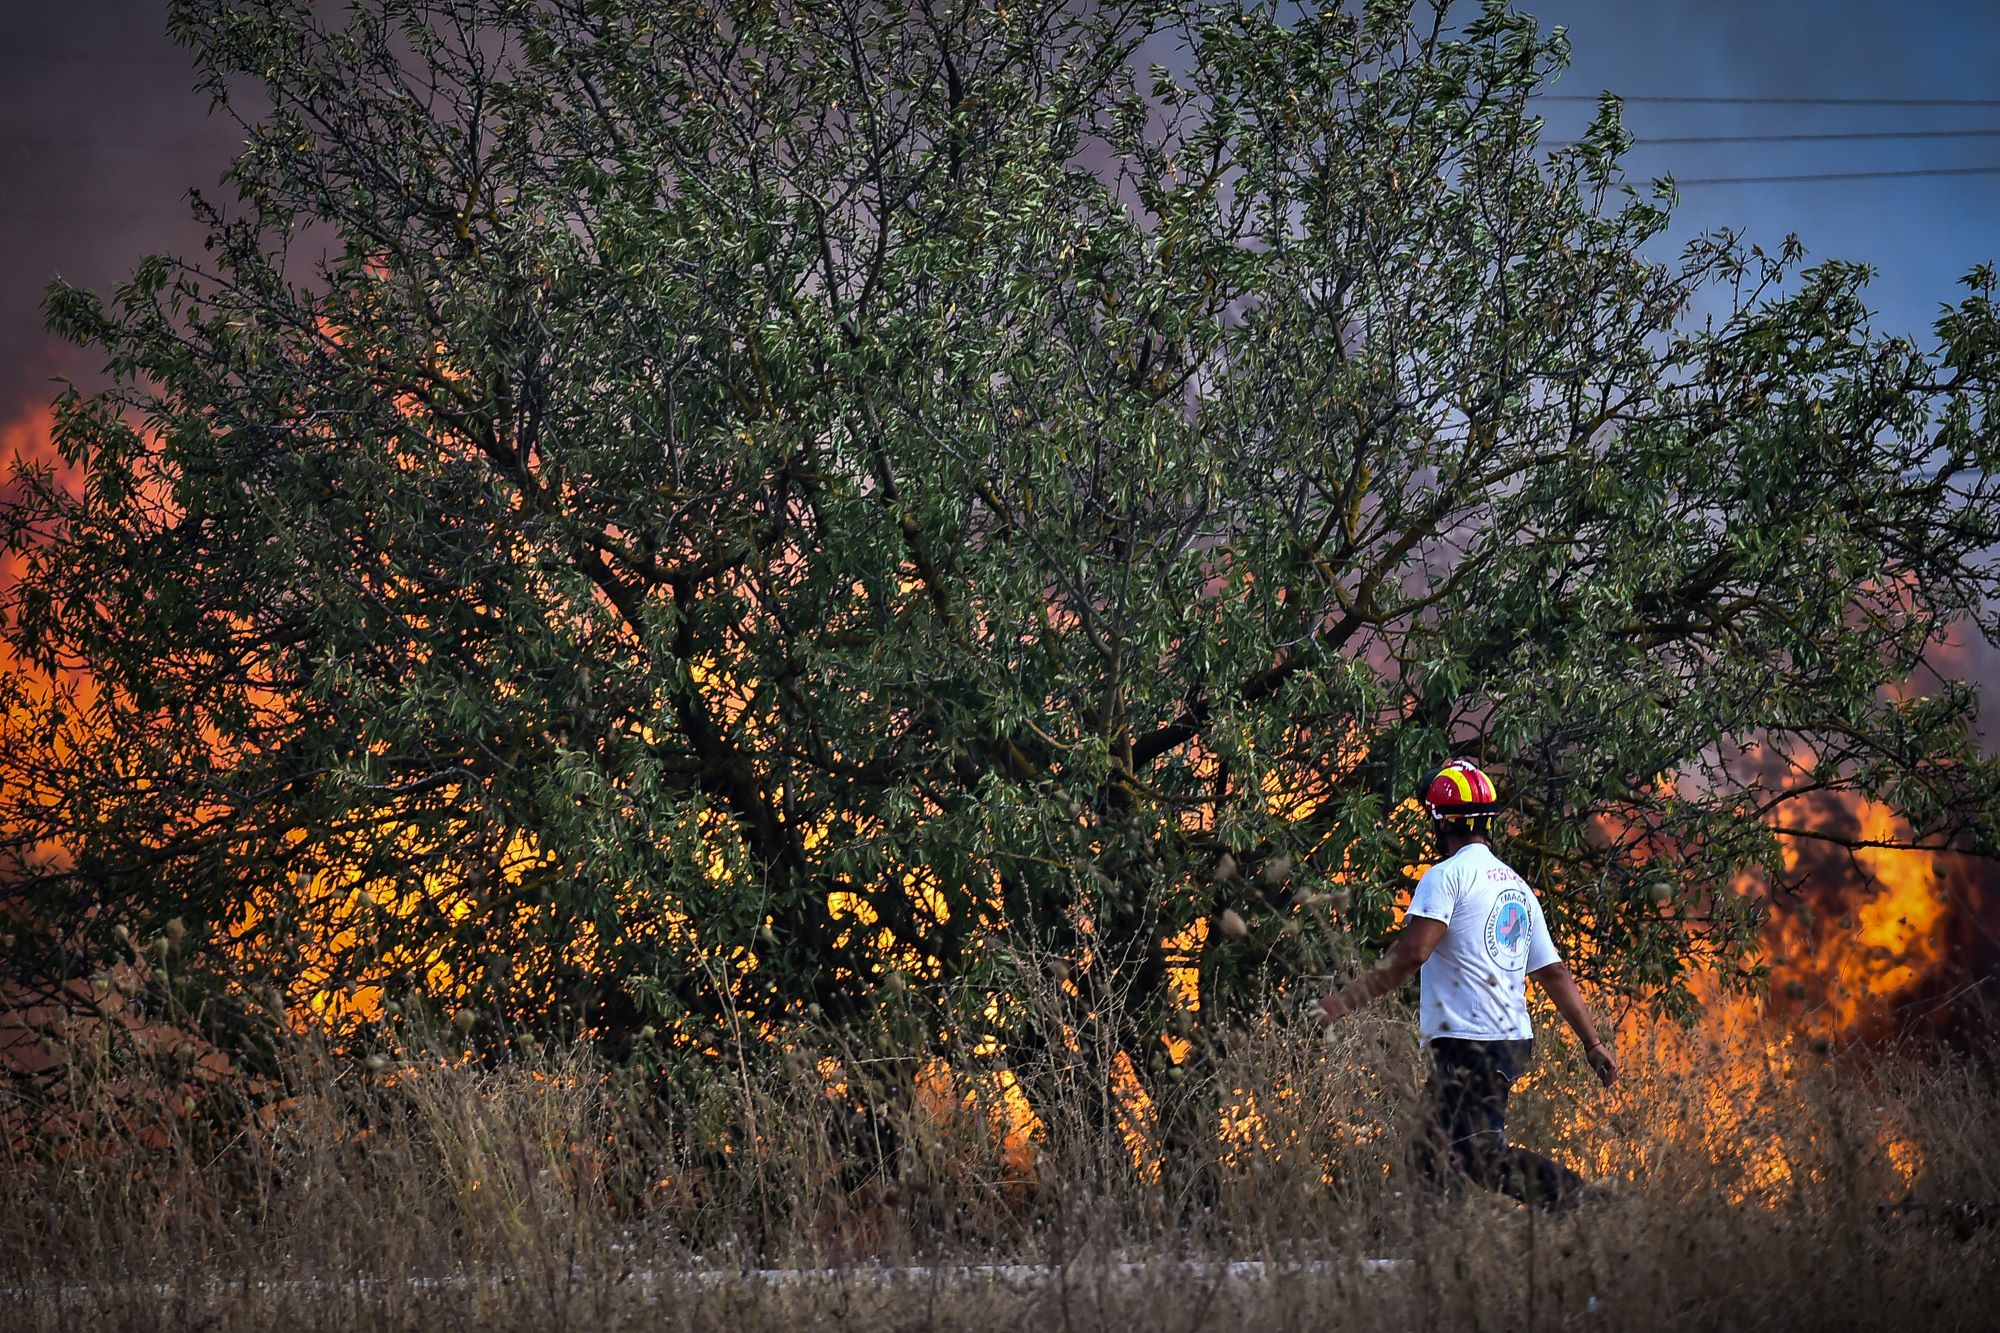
1419	936
1560	987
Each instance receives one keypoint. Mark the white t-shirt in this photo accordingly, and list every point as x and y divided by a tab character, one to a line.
1474	983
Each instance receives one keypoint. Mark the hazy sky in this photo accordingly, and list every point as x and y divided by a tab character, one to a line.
1921	233
101	136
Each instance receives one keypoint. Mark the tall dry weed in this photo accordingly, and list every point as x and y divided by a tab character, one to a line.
1760	1184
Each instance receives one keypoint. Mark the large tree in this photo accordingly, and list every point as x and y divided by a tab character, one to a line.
647	512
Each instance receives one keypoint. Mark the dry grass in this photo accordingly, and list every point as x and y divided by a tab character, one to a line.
549	1191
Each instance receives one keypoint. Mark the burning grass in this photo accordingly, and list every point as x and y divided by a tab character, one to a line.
1758	1186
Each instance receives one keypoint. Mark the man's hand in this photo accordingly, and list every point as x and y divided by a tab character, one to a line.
1332	1008
1557	984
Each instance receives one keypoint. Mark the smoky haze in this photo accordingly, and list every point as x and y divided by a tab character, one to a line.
102	136
104	133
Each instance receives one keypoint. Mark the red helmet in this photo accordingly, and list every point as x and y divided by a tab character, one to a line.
1459	791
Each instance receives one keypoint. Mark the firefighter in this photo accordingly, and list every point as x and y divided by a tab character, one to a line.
1475	932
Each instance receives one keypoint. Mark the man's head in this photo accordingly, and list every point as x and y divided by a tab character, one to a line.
1461	801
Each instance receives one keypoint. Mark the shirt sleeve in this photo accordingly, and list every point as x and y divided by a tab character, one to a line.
1435	896
1541	948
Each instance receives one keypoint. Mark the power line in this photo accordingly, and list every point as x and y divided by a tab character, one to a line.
92	141
1812	138
119	216
1839	176
1777	101
19	57
233	138
1846	136
123	217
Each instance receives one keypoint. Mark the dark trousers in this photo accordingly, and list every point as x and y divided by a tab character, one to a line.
1464	1137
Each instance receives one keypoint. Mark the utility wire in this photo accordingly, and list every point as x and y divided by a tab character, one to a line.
1643	140
159	142
1846	136
1777	101
62	215
20	57
1843	136
1839	176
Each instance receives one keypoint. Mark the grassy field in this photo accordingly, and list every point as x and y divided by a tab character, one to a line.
1760	1184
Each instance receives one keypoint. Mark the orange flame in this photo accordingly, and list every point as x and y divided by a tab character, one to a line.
1868	933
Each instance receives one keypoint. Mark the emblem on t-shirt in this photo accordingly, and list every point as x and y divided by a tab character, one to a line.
1508	928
